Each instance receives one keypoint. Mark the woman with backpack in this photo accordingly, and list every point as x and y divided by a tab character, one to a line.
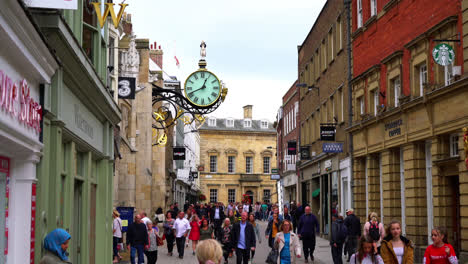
395	248
374	230
440	252
366	253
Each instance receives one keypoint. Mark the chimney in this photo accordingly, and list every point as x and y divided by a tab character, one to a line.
248	112
127	24
156	55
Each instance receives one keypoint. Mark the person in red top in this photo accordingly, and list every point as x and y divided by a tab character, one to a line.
194	232
440	252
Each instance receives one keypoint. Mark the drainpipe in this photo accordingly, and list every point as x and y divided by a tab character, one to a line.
347	4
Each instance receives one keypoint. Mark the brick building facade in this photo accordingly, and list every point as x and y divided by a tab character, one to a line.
408	118
288	134
323	76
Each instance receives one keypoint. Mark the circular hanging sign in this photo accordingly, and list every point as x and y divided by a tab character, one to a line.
443	54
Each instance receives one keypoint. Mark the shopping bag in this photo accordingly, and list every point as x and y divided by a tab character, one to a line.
272	257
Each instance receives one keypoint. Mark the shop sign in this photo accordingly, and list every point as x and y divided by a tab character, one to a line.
332	147
394	127
54	4
305	153
109	9
178	153
292	148
194	174
16	100
328	165
274	171
127	87
201	168
443	54
126	214
275	177
327	133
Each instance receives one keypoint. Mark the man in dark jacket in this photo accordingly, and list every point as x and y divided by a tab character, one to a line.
243	239
137	238
217	217
308	225
338	237
353	224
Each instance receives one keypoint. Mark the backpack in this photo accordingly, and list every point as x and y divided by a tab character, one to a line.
341	233
374	232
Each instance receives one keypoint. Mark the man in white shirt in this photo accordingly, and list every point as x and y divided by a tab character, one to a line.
181	230
145	218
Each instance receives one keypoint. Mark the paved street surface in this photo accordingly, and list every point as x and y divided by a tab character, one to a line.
322	253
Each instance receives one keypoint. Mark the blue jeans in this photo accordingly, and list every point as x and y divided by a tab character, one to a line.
139	249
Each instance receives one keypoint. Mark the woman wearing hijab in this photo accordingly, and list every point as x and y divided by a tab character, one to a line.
56	245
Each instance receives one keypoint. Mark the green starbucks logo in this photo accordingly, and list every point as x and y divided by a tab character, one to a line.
443	54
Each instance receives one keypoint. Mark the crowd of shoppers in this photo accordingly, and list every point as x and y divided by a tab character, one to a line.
234	230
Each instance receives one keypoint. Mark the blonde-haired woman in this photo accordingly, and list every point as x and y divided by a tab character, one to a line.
373	230
209	252
287	243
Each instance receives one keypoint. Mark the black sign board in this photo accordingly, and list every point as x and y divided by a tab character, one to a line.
127	87
327	133
292	148
305	153
178	153
194	174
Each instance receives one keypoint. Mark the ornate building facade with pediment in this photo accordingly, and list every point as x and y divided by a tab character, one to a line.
236	159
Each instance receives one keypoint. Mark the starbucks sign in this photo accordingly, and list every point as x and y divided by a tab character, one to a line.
443	54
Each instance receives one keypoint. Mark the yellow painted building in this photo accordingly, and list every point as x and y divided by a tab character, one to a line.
237	156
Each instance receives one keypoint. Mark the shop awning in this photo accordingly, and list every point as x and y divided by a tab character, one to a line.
316	192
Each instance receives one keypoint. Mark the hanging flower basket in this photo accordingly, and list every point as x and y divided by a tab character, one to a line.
202	197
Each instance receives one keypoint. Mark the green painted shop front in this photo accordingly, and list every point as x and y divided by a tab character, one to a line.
75	174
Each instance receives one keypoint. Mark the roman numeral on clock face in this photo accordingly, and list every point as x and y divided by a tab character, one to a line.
190	81
202	74
213	81
215	87
195	99
189	88
214	94
195	76
190	94
202	101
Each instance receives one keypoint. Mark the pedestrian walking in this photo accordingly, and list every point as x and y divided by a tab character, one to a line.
366	253
144	217
206	232
293	215
374	230
353	225
194	232
232	217
117	235
338	237
226	239
395	248
286	215
256	228
56	245
181	229
243	239
272	229
209	252
440	252
217	217
264	209
151	250
159	219
275	210
287	243
169	233
137	238
307	228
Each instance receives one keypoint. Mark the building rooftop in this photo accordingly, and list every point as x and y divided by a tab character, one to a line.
231	124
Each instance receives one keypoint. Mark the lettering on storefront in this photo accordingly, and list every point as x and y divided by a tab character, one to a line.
82	124
16	100
394	127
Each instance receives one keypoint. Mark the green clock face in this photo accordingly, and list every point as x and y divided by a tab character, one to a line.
202	88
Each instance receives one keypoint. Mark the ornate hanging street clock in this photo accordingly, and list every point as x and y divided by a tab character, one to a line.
202	88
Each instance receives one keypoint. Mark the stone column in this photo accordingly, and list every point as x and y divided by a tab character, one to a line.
359	188
391	184
373	182
463	177
415	192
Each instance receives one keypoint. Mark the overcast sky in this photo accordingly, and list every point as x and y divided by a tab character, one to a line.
251	44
